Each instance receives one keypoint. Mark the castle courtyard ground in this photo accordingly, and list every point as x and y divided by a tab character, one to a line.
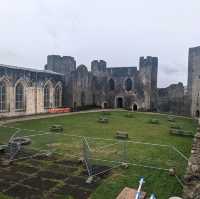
150	152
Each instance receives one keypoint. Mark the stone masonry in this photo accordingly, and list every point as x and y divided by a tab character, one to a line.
132	88
192	178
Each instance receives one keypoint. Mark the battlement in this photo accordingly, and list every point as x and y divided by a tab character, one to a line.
57	63
148	61
98	66
195	51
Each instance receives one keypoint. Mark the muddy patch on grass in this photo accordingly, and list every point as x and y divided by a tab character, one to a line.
75	192
52	175
40	183
23	192
52	178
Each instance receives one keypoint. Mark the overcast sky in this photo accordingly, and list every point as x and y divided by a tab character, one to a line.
118	31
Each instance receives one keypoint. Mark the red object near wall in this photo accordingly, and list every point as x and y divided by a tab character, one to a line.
59	110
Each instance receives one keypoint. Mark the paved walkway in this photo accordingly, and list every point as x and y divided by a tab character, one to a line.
35	117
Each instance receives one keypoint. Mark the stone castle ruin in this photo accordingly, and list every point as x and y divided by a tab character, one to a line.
25	91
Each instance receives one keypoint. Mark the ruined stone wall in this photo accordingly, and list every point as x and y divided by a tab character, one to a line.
173	100
33	82
192	178
148	68
194	80
84	88
81	85
64	65
129	96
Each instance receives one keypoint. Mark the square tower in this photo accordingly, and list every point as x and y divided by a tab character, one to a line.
194	80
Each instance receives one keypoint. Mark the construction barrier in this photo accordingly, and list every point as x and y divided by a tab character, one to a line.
59	110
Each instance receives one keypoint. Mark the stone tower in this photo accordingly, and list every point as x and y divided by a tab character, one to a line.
148	68
194	80
63	65
98	68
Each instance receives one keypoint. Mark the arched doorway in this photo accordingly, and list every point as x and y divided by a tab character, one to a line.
197	113
135	108
120	103
104	105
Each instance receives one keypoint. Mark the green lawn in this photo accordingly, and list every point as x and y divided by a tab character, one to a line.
139	129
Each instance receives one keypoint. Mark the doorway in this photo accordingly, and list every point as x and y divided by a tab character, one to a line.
197	113
120	103
135	108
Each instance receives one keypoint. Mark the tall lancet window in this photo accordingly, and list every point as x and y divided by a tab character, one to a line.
47	96
19	97
2	97
58	96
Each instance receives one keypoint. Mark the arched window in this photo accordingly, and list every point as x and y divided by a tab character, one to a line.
19	97
111	85
47	96
128	84
58	96
2	97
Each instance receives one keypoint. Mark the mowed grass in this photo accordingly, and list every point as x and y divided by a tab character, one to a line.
139	129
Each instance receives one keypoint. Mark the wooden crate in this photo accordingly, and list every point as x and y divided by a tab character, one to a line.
128	193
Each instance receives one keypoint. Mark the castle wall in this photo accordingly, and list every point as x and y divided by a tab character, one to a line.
33	82
194	80
94	86
173	100
148	77
129	96
191	188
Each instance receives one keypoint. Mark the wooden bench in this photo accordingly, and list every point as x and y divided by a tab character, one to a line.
121	135
103	120
171	119
130	115
175	126
56	128
154	121
181	133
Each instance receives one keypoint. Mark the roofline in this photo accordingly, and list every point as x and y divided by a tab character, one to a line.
30	69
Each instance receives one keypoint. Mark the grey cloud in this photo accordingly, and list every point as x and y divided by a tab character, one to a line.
117	31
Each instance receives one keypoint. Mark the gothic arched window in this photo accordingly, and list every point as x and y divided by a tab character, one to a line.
111	85
58	96
128	84
19	97
2	97
47	96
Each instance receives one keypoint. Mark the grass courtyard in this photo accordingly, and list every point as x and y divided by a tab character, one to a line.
104	146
